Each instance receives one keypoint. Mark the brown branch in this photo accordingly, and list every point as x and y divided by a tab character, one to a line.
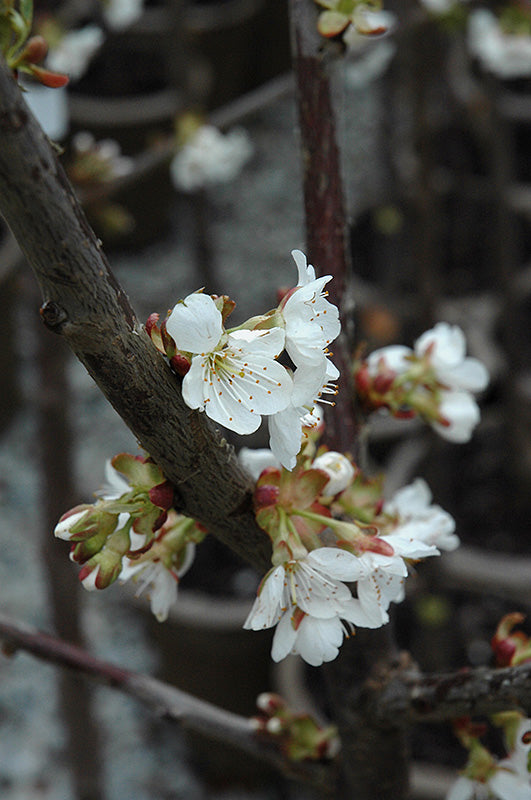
167	701
84	303
468	692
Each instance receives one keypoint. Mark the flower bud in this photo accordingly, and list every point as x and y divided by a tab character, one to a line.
339	470
63	529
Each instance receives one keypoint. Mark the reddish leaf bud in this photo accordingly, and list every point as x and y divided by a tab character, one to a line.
162	495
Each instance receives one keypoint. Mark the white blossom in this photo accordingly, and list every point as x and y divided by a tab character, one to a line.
233	377
339	470
313	583
160	581
507	55
210	157
75	50
418	519
311	321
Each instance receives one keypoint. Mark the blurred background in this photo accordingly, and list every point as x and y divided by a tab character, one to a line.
434	136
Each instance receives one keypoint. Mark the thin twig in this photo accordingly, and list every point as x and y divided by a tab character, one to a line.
167	701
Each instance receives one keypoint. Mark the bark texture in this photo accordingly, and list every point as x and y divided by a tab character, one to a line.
83	302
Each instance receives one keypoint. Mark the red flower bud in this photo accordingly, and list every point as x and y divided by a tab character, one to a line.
151	322
162	495
180	364
35	50
504	651
265	496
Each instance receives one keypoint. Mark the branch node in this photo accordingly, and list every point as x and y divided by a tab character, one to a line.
53	316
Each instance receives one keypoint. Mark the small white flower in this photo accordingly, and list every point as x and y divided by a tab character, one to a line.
160	582
311	322
507	55
75	50
338	468
210	157
418	519
233	377
447	348
313	583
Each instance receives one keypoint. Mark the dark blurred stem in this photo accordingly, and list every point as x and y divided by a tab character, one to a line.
374	760
57	492
324	206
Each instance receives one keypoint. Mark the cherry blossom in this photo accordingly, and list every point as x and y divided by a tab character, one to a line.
418	519
311	322
234	377
210	157
315	639
502	784
314	583
160	581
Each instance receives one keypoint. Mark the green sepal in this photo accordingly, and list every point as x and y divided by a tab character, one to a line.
139	472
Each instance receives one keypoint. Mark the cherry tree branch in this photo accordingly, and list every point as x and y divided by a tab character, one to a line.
84	303
191	713
440	698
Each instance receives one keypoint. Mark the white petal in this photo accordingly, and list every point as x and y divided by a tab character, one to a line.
115	484
410	500
339	470
319	640
462	412
316	593
266	608
471	374
305	270
163	593
463	789
89	582
195	324
448	343
395	357
63	528
255	461
362	616
284	638
269	343
408	547
336	562
509	786
285	436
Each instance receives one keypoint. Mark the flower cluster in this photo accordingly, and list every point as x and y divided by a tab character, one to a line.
132	532
330	527
300	736
434	380
234	375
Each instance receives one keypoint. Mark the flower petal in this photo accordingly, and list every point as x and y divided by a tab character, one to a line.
195	324
266	609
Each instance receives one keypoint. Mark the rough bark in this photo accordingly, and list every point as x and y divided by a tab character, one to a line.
83	302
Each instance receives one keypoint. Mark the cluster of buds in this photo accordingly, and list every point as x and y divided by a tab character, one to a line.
434	381
25	53
131	530
235	376
341	17
300	736
329	526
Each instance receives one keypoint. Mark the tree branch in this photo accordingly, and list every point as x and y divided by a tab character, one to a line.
167	701
84	303
440	698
